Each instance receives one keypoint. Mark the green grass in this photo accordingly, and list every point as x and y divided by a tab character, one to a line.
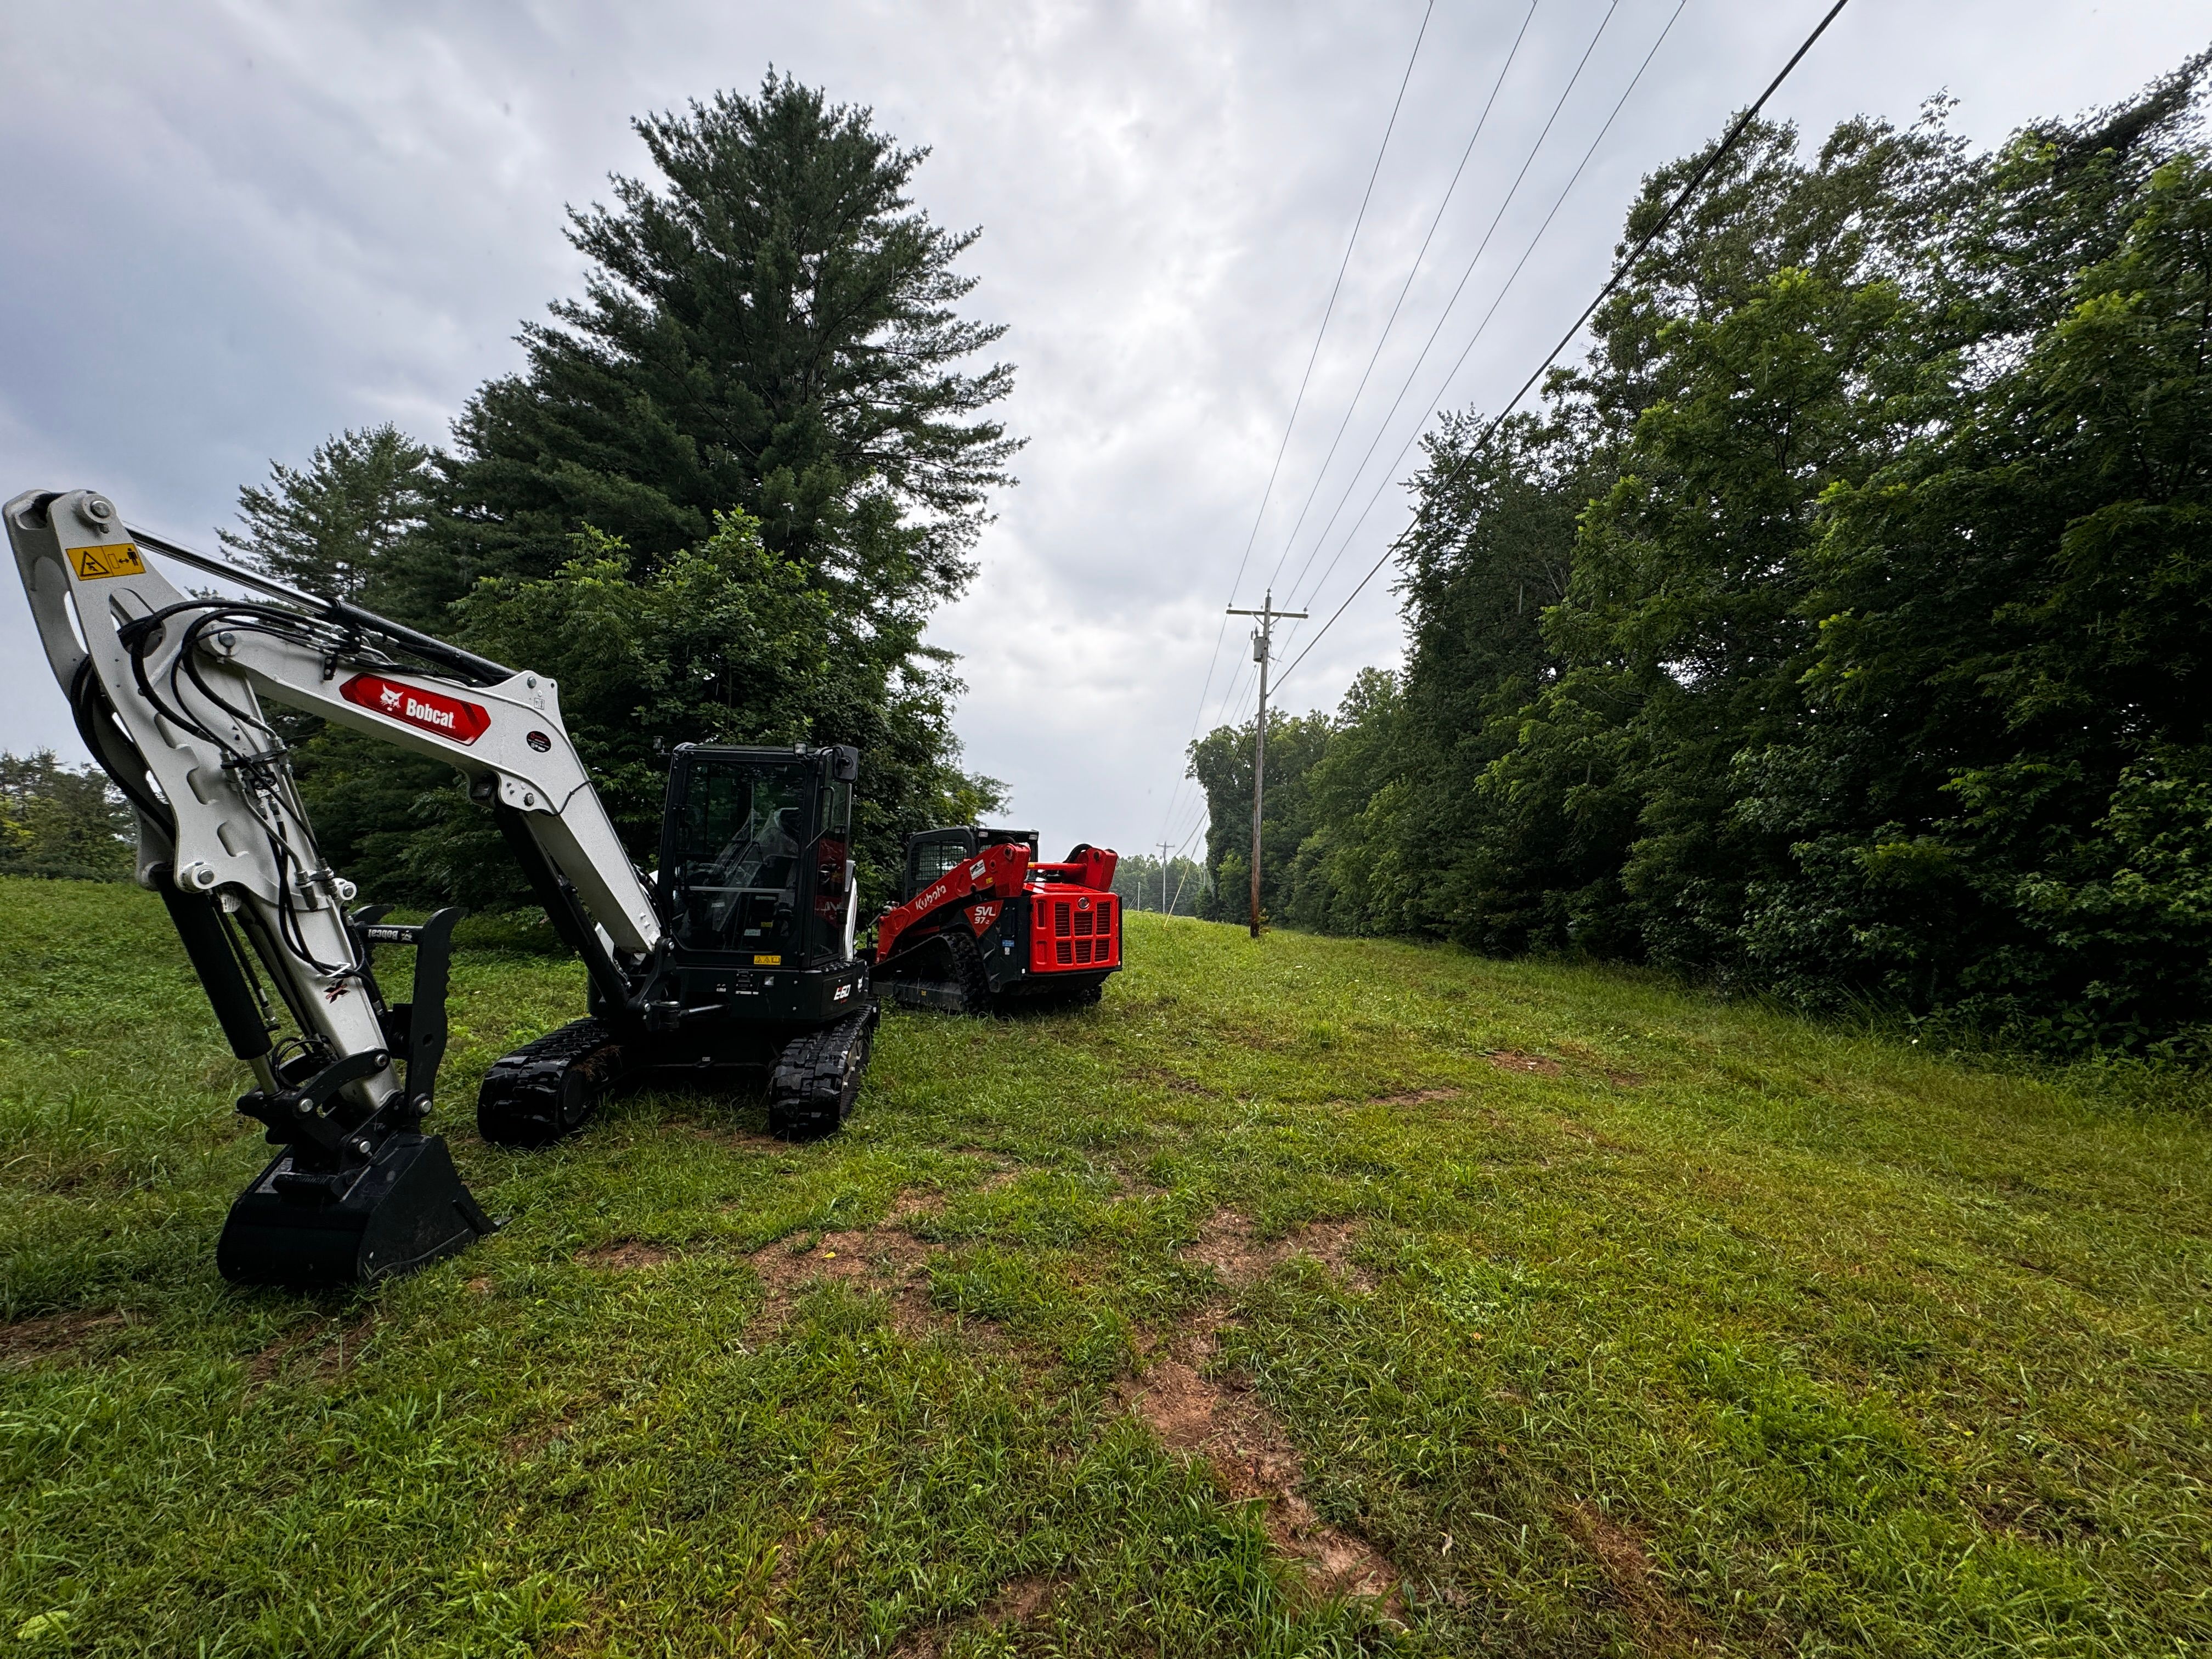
1735	1332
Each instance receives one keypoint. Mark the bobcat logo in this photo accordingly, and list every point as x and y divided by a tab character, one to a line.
390	697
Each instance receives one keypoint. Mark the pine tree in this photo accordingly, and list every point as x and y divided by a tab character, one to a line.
770	326
332	526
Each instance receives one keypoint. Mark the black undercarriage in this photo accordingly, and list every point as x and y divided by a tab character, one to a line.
753	984
955	971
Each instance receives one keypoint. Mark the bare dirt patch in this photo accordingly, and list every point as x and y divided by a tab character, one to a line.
1022	1599
1220	1419
1512	1060
1019	1601
627	1255
1198	1416
1624	1079
54	1336
915	1204
1663	1624
1417	1097
886	1257
1227	1243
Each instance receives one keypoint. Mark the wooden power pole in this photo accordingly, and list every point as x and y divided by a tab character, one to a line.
1262	638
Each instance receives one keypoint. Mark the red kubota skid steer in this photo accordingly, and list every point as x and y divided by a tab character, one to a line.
983	926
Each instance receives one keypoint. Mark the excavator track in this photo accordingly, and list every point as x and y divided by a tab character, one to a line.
818	1076
549	1088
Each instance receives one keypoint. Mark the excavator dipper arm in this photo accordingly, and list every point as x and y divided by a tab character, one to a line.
168	689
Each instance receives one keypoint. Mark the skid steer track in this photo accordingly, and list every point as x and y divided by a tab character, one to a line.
955	980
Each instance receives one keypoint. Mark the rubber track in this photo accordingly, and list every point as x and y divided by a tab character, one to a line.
966	979
818	1076
968	970
521	1103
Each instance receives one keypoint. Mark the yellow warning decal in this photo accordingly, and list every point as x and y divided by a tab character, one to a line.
768	961
116	559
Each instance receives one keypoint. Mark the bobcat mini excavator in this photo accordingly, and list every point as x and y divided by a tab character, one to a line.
738	957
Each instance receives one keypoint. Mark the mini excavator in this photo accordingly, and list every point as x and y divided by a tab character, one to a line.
982	927
735	959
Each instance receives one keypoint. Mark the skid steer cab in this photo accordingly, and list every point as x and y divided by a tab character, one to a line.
734	962
982	926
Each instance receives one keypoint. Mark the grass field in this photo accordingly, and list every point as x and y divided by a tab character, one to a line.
1315	1296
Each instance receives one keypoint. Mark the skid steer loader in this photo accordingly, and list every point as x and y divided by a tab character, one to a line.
736	960
981	926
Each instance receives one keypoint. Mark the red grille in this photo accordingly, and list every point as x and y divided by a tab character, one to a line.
1085	931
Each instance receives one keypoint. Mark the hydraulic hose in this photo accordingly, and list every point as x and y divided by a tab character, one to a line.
198	918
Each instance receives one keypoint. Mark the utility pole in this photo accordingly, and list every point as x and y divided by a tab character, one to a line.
1165	847
1262	638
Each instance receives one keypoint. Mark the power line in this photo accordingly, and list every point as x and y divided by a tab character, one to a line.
1177	899
1481	328
1444	316
1412	272
1620	272
1298	402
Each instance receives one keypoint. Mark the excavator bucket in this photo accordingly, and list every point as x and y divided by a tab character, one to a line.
400	1210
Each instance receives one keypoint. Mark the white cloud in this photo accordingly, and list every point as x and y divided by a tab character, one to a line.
235	230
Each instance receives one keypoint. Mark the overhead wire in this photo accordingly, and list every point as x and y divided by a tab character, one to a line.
1620	272
1481	328
1327	310
1404	287
1292	632
1466	276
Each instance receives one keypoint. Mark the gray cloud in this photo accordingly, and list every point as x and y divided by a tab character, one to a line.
234	229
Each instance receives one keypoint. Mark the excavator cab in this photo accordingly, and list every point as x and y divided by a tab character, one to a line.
754	974
756	856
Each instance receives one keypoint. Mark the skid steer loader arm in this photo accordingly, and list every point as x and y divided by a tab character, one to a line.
166	689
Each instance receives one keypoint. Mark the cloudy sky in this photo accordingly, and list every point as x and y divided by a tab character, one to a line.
236	228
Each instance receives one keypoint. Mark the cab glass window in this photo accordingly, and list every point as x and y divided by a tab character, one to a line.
741	836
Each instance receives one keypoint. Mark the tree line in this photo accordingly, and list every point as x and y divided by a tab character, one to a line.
717	503
1174	887
62	822
1838	627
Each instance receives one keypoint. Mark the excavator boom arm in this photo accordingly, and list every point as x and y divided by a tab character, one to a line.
168	688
